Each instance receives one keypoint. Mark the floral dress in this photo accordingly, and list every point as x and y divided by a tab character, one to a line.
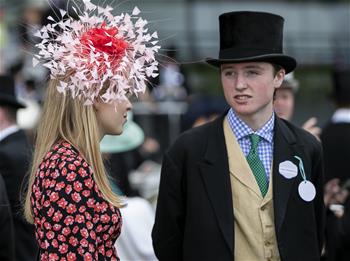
72	220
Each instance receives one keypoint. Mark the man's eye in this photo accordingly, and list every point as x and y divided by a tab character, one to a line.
228	73
252	73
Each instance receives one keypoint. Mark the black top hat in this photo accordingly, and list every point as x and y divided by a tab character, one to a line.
7	92
341	85
252	36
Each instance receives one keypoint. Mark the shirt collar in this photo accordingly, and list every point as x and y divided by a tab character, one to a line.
241	129
8	131
341	116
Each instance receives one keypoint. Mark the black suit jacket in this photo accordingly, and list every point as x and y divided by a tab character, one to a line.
194	217
7	243
336	150
14	161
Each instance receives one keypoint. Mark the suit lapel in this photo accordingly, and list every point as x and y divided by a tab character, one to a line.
285	148
215	174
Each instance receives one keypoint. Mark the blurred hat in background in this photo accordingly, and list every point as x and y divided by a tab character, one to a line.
131	138
7	92
290	82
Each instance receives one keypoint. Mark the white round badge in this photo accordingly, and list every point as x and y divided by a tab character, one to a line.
288	169
307	190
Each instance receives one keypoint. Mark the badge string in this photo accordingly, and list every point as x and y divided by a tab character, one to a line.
301	168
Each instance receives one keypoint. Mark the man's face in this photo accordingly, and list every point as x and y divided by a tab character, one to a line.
283	103
249	88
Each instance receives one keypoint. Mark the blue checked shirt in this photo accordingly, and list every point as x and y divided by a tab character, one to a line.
242	132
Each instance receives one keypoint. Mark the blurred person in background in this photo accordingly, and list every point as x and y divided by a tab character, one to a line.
14	165
336	148
26	92
335	141
248	185
7	242
28	117
171	84
284	100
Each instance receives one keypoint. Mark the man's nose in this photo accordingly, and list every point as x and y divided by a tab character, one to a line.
240	82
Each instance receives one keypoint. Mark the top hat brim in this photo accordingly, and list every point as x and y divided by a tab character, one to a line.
10	101
287	62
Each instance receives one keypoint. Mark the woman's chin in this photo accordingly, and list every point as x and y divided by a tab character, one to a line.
115	132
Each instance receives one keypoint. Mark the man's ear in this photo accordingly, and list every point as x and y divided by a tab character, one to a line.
279	77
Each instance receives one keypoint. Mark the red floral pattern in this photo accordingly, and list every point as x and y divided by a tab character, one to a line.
72	220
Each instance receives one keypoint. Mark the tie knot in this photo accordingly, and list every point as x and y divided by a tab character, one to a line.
254	139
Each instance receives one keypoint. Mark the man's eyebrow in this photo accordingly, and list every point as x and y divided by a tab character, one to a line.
250	66
225	66
254	66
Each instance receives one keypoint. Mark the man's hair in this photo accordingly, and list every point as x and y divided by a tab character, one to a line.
276	68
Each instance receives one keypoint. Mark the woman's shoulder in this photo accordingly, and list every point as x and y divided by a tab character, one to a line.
64	155
63	150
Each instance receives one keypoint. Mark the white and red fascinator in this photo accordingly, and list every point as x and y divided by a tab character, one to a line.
96	49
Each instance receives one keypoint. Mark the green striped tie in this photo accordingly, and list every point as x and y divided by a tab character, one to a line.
256	165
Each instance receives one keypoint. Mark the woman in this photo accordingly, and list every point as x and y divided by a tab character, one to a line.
95	64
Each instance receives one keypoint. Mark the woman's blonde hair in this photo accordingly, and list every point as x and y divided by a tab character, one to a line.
69	119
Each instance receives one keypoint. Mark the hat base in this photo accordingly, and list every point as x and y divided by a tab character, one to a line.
287	62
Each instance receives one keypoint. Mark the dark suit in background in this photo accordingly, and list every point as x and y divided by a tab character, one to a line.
336	148
14	161
337	156
7	247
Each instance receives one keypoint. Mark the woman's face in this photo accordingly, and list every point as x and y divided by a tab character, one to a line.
111	117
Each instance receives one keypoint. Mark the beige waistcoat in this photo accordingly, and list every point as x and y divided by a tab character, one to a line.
255	237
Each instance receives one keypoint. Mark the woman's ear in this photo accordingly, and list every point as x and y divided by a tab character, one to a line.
97	104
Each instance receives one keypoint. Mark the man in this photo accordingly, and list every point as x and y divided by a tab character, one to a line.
247	186
283	104
14	159
336	147
283	101
335	137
